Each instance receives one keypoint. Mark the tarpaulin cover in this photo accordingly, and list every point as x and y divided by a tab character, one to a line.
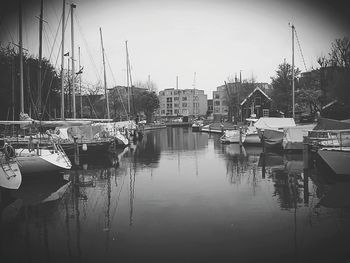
274	123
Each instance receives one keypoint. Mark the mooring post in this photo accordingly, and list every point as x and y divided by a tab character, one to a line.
306	186
263	140
76	151
263	170
240	136
305	153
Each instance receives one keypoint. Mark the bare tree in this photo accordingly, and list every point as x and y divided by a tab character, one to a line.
340	53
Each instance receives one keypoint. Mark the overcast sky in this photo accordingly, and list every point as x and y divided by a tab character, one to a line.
214	38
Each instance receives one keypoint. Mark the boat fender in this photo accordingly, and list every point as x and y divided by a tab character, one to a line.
84	147
9	151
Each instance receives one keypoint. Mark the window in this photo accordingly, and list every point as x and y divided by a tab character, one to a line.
169	99
169	112
266	112
176	98
169	105
216	109
217	103
162	112
176	111
217	96
257	100
184	98
176	105
184	105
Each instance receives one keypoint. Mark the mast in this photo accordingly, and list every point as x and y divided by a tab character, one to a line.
72	6
40	55
62	61
21	56
127	75
81	97
177	82
194	94
104	75
293	100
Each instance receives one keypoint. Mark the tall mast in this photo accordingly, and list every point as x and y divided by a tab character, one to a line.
62	61
21	57
127	75
81	97
194	94
40	54
72	6
104	76
293	100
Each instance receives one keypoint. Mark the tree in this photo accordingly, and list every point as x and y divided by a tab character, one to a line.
340	53
148	102
9	81
335	72
282	87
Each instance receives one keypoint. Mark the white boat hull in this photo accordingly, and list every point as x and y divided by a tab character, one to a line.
47	161
232	137
10	174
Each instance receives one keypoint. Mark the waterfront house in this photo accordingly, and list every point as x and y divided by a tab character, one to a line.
257	102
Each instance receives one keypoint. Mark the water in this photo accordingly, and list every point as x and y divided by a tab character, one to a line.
179	196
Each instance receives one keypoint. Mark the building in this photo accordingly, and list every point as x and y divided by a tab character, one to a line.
210	106
227	99
258	103
182	102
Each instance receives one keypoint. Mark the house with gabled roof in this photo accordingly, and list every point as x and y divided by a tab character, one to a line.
257	102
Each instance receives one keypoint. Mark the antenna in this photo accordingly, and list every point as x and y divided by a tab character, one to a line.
194	81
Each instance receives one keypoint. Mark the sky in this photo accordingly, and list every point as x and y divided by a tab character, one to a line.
203	42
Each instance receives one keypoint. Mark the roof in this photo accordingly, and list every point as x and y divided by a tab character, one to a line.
257	88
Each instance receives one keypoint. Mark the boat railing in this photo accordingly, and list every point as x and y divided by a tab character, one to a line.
62	152
329	138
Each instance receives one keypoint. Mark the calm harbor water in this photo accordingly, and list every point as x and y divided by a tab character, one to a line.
179	196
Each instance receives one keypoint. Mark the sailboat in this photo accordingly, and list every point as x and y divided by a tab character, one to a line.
42	160
10	175
37	160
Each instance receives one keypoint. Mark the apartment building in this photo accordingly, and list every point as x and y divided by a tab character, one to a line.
182	102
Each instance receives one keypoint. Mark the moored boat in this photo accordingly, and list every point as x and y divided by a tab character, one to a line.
271	130
42	160
337	159
10	174
252	136
233	136
197	125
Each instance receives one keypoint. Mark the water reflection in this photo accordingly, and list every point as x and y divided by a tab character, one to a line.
179	196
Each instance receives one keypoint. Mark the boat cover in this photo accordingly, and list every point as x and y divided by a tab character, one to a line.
273	123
